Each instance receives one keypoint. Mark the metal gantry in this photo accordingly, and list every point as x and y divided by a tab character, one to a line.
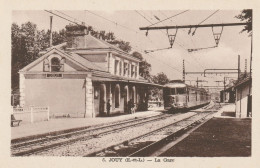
173	36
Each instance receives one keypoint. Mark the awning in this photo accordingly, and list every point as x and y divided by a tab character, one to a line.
103	79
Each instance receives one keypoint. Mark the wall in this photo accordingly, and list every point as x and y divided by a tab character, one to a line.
241	101
63	96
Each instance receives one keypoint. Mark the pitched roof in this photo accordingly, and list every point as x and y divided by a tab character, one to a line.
92	42
75	58
85	62
243	81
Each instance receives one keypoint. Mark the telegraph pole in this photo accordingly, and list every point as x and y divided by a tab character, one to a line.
51	31
238	67
183	74
224	91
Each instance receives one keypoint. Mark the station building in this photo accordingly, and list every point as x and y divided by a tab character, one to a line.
243	89
77	80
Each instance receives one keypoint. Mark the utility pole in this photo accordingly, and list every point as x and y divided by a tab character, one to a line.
224	91
51	31
183	74
238	67
251	55
245	66
197	81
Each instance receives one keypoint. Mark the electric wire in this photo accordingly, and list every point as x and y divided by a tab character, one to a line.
153	56
208	17
168	18
191	41
69	16
63	18
117	24
160	30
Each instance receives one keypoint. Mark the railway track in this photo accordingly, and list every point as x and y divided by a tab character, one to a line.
147	144
85	137
35	145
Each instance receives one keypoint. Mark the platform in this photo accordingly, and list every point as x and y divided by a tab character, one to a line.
60	124
219	137
53	125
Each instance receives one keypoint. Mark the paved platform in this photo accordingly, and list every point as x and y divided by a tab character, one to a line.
29	129
219	137
225	110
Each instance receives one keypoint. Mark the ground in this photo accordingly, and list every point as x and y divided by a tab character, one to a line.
217	137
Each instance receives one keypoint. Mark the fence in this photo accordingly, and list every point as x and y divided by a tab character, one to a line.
31	114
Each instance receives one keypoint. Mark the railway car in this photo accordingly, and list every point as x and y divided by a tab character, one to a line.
179	96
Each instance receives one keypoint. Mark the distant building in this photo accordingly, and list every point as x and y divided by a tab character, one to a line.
228	95
243	89
78	80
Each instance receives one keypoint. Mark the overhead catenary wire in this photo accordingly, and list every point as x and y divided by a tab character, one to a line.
69	16
191	41
64	18
160	60
160	49
205	20
168	18
103	18
152	23
117	24
153	56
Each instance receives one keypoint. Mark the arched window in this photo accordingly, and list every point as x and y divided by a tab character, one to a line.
57	65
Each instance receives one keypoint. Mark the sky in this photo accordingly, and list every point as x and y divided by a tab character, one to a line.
126	24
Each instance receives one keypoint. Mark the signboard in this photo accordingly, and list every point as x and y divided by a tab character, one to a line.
54	75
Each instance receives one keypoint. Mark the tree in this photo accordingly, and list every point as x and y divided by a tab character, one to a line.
125	46
137	55
144	67
26	44
246	15
160	79
27	41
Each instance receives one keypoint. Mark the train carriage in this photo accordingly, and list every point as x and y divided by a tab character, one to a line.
180	96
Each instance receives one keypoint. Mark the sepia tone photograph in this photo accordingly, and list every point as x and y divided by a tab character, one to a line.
131	83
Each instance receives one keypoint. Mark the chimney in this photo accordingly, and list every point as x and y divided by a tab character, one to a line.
76	36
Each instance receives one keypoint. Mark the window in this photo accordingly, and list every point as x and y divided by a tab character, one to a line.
181	90
120	68
135	71
57	65
46	65
128	70
132	70
125	68
173	91
116	67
